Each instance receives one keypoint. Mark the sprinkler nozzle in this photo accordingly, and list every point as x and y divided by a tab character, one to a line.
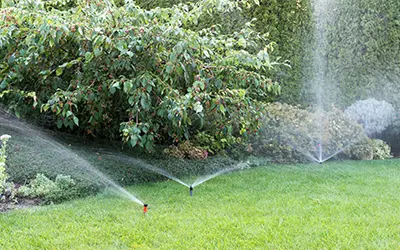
145	208
191	190
320	162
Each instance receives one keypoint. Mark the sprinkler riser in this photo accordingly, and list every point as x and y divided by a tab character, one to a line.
191	191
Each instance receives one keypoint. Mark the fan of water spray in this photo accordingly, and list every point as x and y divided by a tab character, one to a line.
44	150
198	181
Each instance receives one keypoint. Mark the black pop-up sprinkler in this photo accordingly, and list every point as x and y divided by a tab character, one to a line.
191	190
145	208
320	162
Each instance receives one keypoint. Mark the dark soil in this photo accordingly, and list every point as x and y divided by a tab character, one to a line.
20	204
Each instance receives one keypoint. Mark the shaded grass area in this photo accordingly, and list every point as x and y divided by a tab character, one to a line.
337	205
32	150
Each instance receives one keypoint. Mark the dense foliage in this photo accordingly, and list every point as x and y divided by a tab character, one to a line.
287	23
133	72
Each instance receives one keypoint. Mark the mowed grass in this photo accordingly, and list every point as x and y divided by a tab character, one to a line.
337	205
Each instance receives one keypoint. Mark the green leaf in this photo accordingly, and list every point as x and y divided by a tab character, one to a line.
133	140
131	100
97	115
69	113
59	123
144	103
127	87
97	52
148	88
149	145
80	31
3	84
178	48
59	71
88	56
116	85
76	121
222	108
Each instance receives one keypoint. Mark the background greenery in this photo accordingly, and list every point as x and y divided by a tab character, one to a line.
363	49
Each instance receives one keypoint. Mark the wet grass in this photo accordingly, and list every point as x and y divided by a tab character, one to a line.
338	205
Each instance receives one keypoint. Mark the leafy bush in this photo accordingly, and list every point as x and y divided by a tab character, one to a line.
375	116
362	150
293	134
381	149
271	142
143	75
62	188
368	149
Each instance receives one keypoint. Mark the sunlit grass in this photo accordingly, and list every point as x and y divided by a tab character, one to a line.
338	205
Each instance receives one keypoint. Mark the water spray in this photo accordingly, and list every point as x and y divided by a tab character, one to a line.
191	191
145	208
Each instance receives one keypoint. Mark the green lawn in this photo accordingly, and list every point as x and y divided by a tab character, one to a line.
338	205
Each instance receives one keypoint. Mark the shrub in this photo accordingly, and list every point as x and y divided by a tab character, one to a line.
272	141
368	149
360	151
375	116
381	149
136	74
293	134
62	188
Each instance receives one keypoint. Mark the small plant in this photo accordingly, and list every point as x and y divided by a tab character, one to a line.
375	116
3	175
381	149
51	191
362	150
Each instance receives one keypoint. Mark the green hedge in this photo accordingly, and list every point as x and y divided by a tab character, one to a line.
363	52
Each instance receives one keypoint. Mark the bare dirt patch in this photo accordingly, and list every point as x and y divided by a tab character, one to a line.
22	203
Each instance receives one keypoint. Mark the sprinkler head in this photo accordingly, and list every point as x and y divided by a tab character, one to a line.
145	208
191	191
320	162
